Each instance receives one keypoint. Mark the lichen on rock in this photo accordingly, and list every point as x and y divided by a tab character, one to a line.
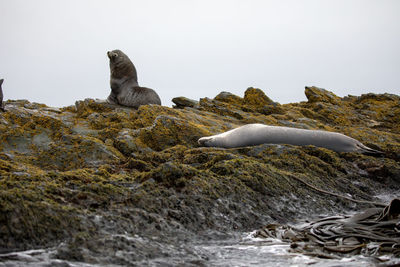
85	173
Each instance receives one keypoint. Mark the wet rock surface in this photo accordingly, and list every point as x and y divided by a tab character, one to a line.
95	180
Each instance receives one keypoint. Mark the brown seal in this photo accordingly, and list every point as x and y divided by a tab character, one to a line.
125	89
1	96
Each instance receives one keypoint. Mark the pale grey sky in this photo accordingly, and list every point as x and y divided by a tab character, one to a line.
54	51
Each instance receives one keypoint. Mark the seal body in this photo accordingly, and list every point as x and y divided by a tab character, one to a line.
125	89
256	134
1	96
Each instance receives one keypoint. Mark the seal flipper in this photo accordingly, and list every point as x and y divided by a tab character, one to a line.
111	99
368	151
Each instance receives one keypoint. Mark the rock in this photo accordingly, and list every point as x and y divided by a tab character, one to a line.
168	131
52	109
256	97
229	98
94	177
88	106
221	108
128	142
315	94
42	140
182	102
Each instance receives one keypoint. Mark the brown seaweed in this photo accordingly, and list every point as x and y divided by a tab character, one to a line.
373	232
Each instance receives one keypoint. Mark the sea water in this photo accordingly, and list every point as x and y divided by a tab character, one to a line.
242	250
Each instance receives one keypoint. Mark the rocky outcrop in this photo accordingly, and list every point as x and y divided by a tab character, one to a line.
86	174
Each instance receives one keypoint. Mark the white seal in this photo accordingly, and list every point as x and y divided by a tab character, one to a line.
256	134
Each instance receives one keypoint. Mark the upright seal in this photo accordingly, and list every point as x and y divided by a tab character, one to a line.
1	96
256	134
125	89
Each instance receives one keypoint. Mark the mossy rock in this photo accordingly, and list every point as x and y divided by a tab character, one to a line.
256	97
229	98
86	174
315	94
169	131
89	106
182	102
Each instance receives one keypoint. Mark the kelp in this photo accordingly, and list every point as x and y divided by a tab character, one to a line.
374	232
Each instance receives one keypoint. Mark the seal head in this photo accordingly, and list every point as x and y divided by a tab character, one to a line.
121	68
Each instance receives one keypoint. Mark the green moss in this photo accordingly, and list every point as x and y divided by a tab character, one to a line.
170	131
89	106
98	158
315	94
229	98
256	97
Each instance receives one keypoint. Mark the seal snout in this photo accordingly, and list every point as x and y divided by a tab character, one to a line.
111	55
201	141
204	141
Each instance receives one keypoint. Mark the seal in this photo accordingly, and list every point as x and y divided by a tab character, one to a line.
256	134
125	89
1	96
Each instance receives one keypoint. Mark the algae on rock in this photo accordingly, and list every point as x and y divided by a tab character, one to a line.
85	173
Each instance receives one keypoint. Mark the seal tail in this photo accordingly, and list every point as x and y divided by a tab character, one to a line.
369	151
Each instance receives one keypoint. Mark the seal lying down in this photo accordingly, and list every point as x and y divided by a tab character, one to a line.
374	232
256	134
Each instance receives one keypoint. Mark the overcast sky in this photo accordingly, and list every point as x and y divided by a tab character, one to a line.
54	51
